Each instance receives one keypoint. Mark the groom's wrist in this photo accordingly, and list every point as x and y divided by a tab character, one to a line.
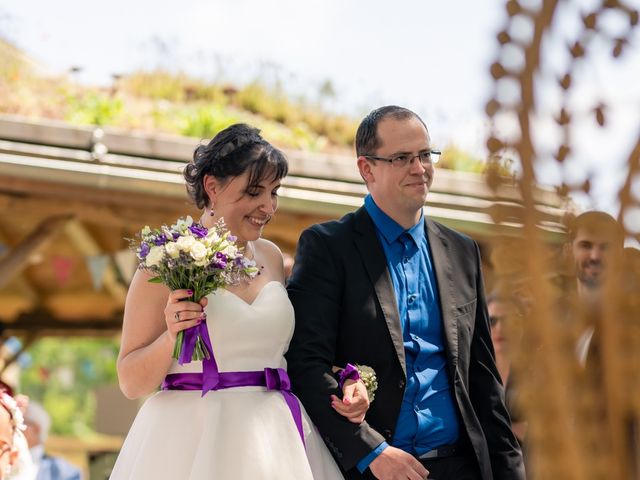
366	461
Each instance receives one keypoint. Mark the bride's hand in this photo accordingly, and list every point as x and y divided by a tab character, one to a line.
354	403
180	315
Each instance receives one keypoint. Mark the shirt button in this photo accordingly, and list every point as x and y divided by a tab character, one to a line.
401	384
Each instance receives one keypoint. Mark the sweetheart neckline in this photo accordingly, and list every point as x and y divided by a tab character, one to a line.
252	303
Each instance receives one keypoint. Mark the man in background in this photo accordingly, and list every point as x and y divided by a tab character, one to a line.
595	241
38	423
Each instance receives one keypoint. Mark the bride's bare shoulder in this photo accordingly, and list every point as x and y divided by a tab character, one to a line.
270	254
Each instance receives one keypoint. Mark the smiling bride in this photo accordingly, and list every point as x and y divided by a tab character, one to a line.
249	425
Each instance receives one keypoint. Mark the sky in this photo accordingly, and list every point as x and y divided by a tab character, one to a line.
431	56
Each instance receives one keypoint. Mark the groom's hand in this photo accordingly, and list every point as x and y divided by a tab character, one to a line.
354	403
396	464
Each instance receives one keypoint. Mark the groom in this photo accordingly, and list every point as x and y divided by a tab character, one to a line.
390	288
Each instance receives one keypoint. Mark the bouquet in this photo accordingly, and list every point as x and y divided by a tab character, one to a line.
189	256
370	380
356	372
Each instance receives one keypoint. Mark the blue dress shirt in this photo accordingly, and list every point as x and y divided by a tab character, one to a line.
428	416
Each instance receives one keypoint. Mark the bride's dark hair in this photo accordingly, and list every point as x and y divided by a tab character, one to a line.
232	152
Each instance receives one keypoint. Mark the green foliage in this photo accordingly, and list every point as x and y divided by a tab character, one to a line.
158	85
93	108
162	85
62	377
175	103
254	99
454	158
206	122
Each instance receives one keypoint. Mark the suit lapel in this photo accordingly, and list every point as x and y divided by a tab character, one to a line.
441	255
375	264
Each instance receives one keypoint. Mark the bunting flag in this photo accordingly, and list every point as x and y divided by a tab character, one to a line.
97	265
62	267
127	263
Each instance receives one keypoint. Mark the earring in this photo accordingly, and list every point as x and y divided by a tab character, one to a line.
211	212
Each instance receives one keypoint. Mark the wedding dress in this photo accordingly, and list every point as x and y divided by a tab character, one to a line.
238	433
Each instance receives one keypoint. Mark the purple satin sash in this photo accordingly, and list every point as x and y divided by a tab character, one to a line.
272	378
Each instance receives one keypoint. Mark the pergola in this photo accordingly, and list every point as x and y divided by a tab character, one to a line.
69	196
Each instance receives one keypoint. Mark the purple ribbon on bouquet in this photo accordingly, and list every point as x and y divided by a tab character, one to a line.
349	372
210	374
212	379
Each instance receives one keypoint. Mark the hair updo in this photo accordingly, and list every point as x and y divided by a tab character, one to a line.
232	152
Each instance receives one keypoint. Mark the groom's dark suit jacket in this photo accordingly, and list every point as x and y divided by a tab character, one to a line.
346	312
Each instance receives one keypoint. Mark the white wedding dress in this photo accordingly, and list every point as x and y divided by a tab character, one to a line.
238	433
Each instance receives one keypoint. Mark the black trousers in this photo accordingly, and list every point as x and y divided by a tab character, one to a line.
452	468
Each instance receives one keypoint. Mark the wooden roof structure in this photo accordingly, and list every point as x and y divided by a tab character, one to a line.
69	196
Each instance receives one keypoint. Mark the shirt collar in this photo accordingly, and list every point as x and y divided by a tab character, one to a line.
388	227
37	453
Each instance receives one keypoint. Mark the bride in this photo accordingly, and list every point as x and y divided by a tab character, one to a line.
246	431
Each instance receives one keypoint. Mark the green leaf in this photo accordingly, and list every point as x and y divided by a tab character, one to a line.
155	280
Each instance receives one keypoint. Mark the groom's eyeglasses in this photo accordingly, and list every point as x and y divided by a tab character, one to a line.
401	160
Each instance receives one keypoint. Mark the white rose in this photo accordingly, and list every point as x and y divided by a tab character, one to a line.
230	251
203	262
185	243
155	256
198	251
172	249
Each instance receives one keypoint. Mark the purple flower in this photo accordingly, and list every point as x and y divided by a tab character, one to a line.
198	230
160	240
176	235
232	238
144	250
221	260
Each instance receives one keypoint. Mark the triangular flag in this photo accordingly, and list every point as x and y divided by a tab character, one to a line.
97	265
127	263
62	267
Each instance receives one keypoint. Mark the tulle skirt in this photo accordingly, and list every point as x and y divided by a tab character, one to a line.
236	434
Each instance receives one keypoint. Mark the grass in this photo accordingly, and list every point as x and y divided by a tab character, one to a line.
162	101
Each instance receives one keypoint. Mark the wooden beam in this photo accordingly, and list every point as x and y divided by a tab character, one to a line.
76	305
44	324
84	242
95	212
17	259
24	287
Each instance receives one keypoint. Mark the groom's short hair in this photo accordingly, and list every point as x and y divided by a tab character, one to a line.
367	140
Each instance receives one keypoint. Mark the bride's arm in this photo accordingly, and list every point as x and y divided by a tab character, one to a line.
355	401
147	344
